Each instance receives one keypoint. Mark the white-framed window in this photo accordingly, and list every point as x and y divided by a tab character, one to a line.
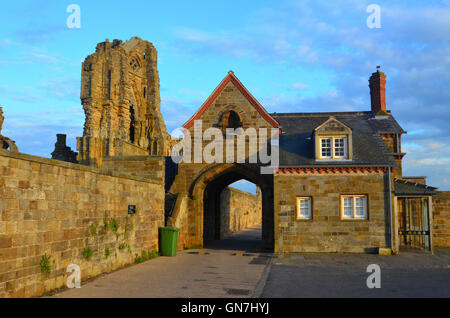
325	147
339	147
304	208
333	147
354	207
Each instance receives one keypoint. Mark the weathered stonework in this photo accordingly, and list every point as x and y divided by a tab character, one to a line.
146	167
327	231
239	210
441	219
5	142
179	219
199	177
394	145
62	152
60	209
121	100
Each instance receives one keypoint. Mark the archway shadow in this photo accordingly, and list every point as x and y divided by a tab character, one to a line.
247	241
252	240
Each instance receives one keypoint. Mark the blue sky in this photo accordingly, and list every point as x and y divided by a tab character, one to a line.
294	56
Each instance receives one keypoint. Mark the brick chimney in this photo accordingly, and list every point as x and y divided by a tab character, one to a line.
377	84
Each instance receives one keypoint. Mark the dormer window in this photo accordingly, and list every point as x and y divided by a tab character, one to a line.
333	141
333	147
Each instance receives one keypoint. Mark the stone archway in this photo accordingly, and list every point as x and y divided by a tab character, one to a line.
205	192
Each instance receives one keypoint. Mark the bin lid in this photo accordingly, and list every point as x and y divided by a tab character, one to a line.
170	229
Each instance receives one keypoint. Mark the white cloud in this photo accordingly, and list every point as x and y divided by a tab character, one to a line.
435	145
300	86
193	35
62	87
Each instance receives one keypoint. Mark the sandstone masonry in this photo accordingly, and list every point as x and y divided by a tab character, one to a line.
61	210
121	100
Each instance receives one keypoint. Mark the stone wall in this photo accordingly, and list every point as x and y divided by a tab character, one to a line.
147	167
58	209
441	219
326	231
238	211
179	219
125	148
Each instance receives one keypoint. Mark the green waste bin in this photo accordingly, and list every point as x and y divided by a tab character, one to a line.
169	239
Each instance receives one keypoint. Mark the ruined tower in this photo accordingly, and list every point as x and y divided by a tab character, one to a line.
5	142
121	99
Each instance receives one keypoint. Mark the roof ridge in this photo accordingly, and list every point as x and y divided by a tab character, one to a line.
318	114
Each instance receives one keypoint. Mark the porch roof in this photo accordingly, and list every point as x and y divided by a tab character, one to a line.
403	187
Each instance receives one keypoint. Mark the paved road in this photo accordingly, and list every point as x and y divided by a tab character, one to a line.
410	274
218	271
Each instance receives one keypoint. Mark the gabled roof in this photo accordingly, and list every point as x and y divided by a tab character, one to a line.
231	78
330	119
369	149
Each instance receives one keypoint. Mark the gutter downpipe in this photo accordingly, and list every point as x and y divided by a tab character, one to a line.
390	208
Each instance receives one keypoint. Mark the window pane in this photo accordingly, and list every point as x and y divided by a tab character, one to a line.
348	202
304	208
304	213
348	207
326	147
348	212
339	147
359	212
359	202
360	207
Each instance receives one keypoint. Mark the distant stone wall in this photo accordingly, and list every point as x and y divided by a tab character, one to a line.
238	211
58	209
147	167
441	219
125	148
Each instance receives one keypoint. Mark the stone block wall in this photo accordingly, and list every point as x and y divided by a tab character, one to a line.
230	99
326	231
441	219
58	209
147	167
179	220
125	148
239	210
